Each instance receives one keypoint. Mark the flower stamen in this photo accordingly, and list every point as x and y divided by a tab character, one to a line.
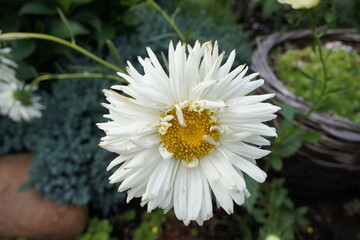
191	134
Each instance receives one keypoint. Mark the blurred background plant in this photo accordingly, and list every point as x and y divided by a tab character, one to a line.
70	168
301	68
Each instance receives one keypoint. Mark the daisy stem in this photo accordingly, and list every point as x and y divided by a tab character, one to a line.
314	106
168	19
22	35
41	78
322	60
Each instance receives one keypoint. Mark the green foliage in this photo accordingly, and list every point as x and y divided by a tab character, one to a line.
301	71
253	187
90	21
69	165
12	138
290	136
158	34
98	229
23	49
83	16
282	217
270	7
275	212
36	8
219	10
290	140
150	227
128	216
347	12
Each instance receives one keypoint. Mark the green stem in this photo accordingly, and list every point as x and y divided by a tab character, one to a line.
322	60
315	104
21	35
41	78
168	19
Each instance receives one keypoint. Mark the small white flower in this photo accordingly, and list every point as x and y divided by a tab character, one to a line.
297	4
18	102
184	135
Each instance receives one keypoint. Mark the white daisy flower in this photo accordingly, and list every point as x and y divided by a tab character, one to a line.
184	135
18	102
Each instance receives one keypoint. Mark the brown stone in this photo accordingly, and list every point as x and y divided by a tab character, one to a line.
25	214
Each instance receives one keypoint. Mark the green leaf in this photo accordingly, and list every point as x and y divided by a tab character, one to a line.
107	32
288	203
114	52
259	215
65	4
89	18
313	82
254	189
291	144
175	13
278	197
66	23
311	137
288	111
269	7
165	61
60	30
129	215
326	107
38	8
330	18
338	90
276	163
26	71
22	49
285	126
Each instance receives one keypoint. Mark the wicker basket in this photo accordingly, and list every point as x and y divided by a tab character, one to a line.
332	164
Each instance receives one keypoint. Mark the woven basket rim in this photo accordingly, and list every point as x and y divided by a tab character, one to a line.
329	125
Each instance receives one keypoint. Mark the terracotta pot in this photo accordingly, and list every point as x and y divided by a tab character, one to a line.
26	214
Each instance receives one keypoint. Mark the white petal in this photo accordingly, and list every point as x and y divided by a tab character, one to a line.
180	116
180	193
194	193
190	164
248	167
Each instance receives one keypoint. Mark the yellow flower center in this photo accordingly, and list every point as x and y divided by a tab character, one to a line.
191	141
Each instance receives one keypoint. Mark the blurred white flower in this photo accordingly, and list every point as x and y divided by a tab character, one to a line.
7	66
296	4
188	133
17	101
272	237
337	45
